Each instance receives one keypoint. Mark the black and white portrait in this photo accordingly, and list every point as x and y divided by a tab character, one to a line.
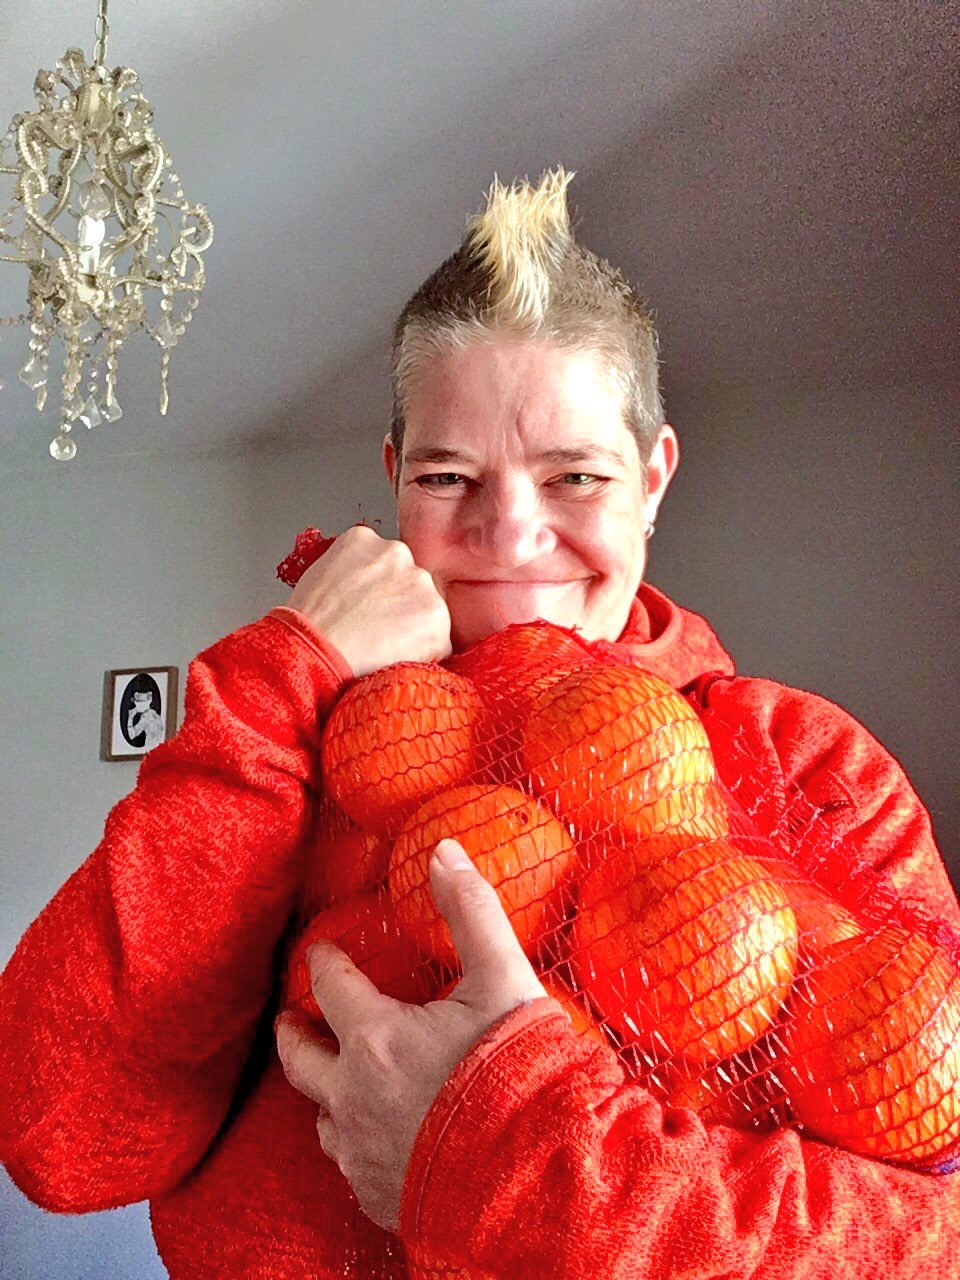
139	711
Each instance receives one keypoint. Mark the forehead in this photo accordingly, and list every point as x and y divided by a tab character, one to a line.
512	393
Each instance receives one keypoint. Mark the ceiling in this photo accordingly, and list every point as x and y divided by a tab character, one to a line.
780	179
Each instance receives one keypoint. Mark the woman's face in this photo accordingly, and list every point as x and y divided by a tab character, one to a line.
521	489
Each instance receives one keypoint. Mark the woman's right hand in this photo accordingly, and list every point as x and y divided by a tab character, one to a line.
373	603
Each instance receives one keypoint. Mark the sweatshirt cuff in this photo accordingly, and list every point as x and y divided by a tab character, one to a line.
339	668
445	1185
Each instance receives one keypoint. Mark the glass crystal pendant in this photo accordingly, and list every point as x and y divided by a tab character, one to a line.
33	374
90	415
167	336
73	408
111	412
63	448
93	200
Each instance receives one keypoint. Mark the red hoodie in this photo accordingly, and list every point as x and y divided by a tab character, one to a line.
138	1062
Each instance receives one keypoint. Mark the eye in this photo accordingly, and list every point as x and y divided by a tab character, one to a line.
440	480
581	480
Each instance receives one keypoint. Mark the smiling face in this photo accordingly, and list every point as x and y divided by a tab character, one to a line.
521	489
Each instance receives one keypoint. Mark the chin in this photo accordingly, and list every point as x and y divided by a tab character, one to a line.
470	631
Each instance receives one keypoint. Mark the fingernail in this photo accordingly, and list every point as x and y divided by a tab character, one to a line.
450	856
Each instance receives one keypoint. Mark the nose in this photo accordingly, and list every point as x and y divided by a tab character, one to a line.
509	526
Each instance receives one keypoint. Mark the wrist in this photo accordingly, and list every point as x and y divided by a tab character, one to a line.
317	639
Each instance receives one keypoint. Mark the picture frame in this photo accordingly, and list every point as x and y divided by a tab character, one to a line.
139	711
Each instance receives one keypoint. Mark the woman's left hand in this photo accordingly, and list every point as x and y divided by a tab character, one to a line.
393	1057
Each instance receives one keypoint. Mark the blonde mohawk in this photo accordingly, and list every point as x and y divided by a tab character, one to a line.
519	272
519	241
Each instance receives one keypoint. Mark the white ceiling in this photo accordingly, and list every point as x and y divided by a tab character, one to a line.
776	176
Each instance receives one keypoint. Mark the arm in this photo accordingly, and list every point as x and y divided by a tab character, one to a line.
817	771
539	1158
129	1007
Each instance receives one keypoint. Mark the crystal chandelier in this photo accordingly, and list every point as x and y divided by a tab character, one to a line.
91	150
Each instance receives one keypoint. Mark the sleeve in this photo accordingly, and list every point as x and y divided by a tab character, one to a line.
129	1007
539	1157
813	764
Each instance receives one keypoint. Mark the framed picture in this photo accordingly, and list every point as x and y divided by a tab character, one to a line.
139	711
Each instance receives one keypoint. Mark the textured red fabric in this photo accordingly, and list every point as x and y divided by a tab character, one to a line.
137	1056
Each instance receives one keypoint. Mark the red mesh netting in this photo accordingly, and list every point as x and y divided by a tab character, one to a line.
729	950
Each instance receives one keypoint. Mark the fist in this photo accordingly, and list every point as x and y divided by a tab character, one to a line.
373	603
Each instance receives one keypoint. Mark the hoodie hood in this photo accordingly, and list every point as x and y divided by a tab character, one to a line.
672	642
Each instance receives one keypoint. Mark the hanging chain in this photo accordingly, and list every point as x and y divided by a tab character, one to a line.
102	31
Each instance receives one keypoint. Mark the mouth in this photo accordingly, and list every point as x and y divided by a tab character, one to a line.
515	582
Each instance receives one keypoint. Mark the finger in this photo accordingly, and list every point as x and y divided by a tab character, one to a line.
309	1061
481	930
346	996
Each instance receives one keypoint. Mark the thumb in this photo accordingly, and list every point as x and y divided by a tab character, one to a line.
482	933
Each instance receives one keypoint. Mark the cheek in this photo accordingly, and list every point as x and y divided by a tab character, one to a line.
429	531
611	541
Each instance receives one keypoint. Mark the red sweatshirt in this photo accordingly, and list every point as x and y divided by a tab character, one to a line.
138	1062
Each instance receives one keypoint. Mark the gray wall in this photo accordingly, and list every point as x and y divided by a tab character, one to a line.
816	530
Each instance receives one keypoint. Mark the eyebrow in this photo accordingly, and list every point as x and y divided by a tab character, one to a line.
588	453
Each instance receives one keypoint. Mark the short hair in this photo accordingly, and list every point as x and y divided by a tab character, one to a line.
520	271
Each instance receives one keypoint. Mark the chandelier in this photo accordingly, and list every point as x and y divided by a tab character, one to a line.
105	243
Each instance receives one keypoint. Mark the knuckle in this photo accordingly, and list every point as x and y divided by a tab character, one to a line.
353	536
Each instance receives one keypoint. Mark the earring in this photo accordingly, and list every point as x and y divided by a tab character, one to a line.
650	529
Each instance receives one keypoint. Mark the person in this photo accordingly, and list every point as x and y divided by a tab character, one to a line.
143	718
529	455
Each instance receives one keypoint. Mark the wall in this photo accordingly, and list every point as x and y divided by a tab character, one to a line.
816	527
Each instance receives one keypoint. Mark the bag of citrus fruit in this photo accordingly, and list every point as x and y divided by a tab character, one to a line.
733	959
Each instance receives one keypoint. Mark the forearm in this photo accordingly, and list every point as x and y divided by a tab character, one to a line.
128	1009
538	1159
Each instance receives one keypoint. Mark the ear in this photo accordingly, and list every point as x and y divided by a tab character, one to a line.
390	461
664	461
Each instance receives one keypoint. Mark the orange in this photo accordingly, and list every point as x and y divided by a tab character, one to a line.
672	827
508	667
356	862
514	842
366	929
690	957
873	1047
396	737
510	659
561	987
611	745
742	1092
575	1006
821	920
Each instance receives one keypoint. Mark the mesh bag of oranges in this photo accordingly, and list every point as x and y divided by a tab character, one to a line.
674	929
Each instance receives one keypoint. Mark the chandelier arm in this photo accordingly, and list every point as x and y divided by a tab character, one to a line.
203	224
66	165
37	220
28	147
117	177
157	163
145	282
